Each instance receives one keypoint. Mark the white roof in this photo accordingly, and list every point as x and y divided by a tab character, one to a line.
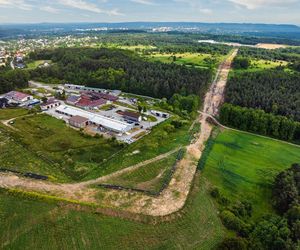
108	123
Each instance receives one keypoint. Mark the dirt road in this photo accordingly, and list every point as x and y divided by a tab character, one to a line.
172	198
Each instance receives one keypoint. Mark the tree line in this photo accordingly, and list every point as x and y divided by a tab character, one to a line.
279	230
13	79
257	121
285	54
274	91
119	69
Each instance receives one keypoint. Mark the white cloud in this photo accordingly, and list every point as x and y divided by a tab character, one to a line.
196	5
145	2
254	4
205	11
83	5
20	4
50	9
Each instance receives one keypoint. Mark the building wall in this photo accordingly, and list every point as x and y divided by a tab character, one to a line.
78	125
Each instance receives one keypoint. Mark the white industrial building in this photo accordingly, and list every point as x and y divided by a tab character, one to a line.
99	120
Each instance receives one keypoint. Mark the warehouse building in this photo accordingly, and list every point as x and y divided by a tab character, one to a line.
95	119
78	121
51	103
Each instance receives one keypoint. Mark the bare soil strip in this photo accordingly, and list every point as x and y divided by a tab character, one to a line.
172	198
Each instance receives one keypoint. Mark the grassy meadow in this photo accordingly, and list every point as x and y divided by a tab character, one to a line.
73	151
40	225
35	64
14	156
243	167
9	113
187	59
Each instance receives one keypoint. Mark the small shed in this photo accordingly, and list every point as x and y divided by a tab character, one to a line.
78	121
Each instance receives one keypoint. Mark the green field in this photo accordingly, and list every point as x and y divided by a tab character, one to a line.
35	64
187	59
149	177
6	114
243	166
75	153
39	225
14	156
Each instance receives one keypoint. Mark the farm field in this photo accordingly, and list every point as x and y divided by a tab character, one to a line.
40	225
74	152
243	167
187	59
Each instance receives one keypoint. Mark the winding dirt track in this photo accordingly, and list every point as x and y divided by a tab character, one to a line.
172	198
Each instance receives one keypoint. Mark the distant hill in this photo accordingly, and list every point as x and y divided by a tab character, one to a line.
267	30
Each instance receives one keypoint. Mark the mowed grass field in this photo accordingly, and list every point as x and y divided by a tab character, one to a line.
39	225
243	167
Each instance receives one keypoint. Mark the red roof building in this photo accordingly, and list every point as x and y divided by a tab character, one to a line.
18	97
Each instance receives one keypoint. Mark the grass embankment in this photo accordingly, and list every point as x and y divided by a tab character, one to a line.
75	152
149	177
40	225
243	167
159	141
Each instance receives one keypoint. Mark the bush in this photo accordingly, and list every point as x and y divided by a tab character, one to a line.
241	63
242	209
215	193
230	221
233	243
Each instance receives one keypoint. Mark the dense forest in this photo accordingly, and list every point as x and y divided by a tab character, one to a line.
119	69
13	79
290	54
177	38
274	91
257	121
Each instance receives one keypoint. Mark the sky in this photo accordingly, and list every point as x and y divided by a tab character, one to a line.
242	11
